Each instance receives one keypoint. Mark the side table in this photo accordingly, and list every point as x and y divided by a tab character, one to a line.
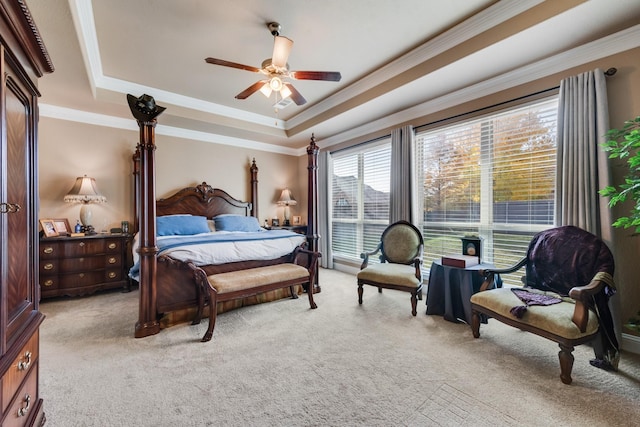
450	288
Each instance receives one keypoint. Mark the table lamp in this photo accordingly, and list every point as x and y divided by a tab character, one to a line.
85	191
286	200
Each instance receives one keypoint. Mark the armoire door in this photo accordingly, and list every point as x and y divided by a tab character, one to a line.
19	238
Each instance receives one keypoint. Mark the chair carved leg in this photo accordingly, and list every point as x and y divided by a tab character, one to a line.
360	291
566	363
475	324
379	290
414	303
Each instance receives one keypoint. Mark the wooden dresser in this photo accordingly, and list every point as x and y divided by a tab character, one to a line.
71	266
23	59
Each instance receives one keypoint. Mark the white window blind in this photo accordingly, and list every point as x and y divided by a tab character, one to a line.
360	198
492	176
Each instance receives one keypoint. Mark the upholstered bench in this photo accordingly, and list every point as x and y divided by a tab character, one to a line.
254	281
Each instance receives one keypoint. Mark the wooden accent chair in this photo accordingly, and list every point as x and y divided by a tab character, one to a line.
568	282
401	248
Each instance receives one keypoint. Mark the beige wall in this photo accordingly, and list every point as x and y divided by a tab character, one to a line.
69	149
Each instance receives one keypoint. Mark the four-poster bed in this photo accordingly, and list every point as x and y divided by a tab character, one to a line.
167	284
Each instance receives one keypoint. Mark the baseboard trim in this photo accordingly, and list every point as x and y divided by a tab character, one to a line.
631	343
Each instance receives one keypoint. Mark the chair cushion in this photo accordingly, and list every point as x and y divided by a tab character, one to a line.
393	274
554	318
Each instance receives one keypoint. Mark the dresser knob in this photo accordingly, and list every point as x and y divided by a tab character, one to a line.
112	260
81	275
48	250
112	274
112	245
81	244
48	266
48	282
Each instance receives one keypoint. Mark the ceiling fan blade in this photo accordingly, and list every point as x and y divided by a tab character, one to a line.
251	89
224	63
333	76
281	49
295	95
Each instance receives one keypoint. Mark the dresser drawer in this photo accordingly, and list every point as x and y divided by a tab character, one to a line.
25	401
73	265
74	248
78	280
19	370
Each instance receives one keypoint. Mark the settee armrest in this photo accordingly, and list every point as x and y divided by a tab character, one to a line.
582	296
489	273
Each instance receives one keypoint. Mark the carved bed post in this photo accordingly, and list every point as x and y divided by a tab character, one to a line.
135	227
312	201
145	111
254	189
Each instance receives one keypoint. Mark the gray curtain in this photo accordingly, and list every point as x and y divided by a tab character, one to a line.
583	167
401	194
324	213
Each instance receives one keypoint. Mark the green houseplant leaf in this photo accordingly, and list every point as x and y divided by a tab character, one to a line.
624	144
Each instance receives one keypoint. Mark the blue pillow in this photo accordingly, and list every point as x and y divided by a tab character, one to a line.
180	225
236	223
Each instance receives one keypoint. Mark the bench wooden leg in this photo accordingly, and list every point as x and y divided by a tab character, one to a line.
312	303
566	363
213	313
360	291
294	294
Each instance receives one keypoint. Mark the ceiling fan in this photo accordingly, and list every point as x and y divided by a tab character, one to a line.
276	69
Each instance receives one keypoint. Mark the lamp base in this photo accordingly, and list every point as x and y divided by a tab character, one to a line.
286	223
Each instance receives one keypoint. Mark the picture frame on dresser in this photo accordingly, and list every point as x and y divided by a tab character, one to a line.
62	226
48	228
296	220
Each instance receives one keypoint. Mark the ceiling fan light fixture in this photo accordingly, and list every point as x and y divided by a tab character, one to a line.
275	83
266	89
285	92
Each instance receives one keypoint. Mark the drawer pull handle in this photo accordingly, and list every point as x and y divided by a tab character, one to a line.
23	411
112	260
81	244
9	207
81	275
112	245
112	274
23	365
48	266
48	282
48	250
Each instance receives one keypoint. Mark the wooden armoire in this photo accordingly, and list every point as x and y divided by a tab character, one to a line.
23	59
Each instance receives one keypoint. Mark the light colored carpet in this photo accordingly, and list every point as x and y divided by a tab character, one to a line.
282	364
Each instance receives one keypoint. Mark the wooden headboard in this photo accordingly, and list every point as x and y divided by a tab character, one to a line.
202	200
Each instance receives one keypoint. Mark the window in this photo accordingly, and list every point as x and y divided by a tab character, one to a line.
492	176
360	198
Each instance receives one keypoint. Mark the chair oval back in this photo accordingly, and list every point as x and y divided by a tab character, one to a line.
563	257
401	243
